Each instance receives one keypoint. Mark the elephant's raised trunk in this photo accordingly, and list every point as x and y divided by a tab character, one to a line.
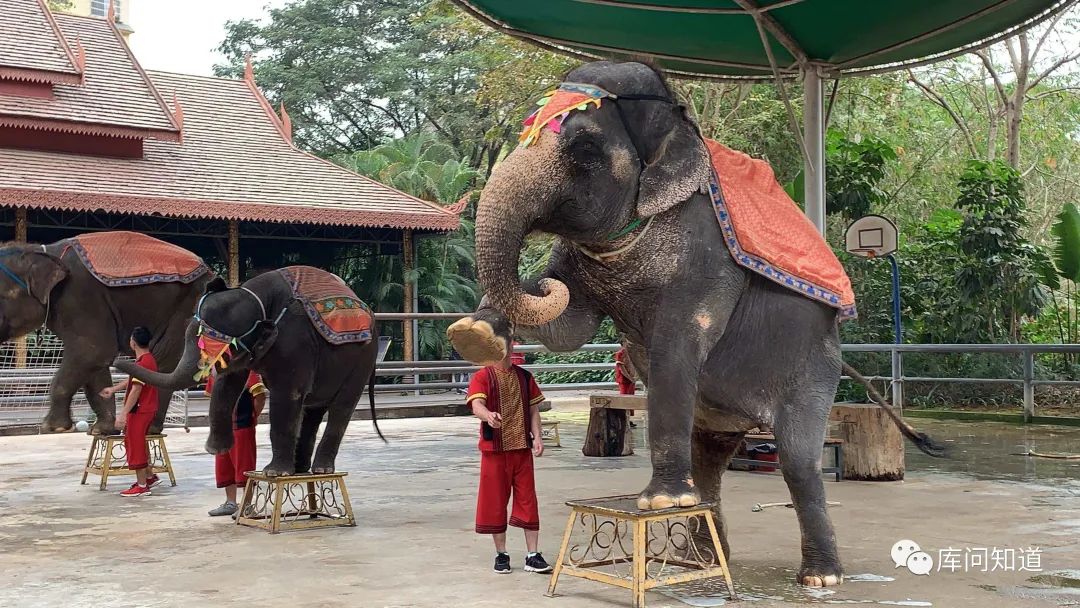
509	205
180	378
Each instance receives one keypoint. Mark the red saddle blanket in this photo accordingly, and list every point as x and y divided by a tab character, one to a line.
123	259
332	306
766	232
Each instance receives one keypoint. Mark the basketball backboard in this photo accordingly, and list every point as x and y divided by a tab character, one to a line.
871	236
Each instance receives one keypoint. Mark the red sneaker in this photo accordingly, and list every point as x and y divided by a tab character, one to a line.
136	490
153	481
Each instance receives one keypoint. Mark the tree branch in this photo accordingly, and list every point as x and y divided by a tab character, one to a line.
1049	28
984	55
1057	64
939	100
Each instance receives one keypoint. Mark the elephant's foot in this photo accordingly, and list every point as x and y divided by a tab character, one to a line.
477	341
278	468
820	577
58	423
155	429
325	469
104	427
665	495
219	443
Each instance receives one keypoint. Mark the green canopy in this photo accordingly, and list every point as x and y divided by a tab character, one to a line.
770	39
722	38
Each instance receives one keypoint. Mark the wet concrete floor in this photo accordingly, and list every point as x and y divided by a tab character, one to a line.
69	545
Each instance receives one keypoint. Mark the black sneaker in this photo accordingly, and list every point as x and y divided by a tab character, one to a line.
502	563
536	563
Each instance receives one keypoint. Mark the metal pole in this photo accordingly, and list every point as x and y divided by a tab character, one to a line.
898	322
814	138
1029	386
898	337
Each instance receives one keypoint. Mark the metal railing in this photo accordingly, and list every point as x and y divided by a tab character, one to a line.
896	381
457	369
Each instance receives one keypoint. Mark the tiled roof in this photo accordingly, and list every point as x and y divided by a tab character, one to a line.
235	162
31	46
116	97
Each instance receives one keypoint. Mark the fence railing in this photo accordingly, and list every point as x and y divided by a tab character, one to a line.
24	385
896	380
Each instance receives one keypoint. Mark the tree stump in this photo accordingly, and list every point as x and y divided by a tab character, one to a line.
609	425
873	446
608	434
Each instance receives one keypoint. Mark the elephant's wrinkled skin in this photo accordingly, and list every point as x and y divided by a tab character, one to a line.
721	349
307	377
94	321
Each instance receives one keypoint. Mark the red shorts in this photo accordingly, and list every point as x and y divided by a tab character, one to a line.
138	455
501	472
229	468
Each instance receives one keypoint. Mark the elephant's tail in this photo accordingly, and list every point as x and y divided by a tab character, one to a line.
921	440
371	402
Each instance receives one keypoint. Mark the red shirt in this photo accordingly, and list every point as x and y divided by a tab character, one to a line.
626	385
244	411
512	393
148	397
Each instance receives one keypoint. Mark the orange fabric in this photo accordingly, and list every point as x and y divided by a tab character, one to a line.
331	305
131	258
554	107
767	232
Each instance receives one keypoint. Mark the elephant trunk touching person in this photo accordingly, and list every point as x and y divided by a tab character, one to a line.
501	228
183	376
268	327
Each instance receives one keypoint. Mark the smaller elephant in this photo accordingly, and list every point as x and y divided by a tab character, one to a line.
91	291
309	337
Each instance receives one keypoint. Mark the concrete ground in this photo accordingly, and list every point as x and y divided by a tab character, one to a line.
71	545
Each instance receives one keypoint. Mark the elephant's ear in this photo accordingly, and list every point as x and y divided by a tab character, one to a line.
679	168
45	273
215	285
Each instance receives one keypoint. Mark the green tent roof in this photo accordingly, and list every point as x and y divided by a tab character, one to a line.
721	38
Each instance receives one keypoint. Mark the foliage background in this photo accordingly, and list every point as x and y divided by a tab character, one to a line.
974	159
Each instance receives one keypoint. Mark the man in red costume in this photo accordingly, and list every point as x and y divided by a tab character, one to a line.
506	399
229	468
136	415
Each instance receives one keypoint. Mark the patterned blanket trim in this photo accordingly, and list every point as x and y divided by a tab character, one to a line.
766	269
133	281
314	312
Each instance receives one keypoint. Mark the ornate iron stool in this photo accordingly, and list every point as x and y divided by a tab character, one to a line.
295	502
108	457
549	432
662	546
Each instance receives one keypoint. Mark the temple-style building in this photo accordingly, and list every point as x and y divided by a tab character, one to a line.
89	140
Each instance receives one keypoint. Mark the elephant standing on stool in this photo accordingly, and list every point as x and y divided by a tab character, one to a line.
624	185
266	326
52	285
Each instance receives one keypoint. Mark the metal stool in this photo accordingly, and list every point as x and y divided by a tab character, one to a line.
660	541
108	457
295	502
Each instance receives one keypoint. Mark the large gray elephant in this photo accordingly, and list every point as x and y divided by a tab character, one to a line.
272	325
722	349
53	285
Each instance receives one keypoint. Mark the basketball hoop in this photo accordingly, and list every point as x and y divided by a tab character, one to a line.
871	236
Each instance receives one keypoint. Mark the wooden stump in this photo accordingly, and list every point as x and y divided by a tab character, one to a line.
609	424
873	446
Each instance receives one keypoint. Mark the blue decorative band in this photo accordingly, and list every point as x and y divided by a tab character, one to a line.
763	267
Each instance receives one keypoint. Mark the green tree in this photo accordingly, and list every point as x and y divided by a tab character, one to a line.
1002	269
